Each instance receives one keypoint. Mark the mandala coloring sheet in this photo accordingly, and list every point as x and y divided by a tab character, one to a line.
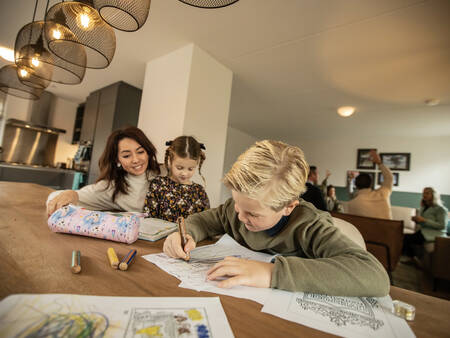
353	317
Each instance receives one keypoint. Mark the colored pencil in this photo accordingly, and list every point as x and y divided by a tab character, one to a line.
113	259
76	261
126	261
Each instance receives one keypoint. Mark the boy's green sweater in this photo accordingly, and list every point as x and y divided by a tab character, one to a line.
314	256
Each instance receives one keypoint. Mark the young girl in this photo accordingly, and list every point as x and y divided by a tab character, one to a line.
175	195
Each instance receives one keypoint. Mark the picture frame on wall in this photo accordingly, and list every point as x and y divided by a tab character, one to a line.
363	160
396	161
395	182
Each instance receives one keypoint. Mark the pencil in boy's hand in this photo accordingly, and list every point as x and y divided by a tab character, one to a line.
182	232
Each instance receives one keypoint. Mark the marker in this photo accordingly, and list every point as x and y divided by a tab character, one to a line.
113	259
182	232
126	261
76	261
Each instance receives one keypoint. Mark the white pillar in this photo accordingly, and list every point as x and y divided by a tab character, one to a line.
187	92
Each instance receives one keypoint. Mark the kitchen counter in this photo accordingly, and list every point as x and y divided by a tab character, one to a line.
55	178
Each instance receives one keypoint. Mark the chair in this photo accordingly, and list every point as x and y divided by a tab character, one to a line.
350	231
439	265
383	237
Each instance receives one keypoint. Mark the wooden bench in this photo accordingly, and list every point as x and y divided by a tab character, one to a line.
383	237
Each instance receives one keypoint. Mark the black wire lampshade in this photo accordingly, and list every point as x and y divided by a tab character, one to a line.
83	26
10	84
125	15
209	3
33	55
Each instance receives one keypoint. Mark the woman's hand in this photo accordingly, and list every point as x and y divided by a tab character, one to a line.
64	198
241	272
172	246
418	219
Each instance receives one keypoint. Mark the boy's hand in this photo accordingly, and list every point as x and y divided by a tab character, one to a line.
63	199
418	219
172	246
242	272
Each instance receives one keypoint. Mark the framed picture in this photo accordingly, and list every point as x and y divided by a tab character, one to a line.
363	161
396	179
396	161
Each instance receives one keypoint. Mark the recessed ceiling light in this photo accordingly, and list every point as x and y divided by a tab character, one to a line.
7	54
346	111
432	102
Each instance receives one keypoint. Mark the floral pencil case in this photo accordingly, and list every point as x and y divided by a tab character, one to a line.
99	224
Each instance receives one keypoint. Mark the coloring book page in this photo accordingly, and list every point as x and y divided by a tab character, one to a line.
353	317
192	273
57	315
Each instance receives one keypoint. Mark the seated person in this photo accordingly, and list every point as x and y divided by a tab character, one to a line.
370	202
332	202
265	214
432	219
313	193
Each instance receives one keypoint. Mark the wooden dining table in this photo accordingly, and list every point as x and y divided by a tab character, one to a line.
37	261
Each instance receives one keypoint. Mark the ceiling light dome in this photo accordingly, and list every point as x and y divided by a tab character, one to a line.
346	111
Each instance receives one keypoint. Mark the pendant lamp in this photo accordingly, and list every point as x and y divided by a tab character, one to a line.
86	29
209	3
10	84
124	15
33	55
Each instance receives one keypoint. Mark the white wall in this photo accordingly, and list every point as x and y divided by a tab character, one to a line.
187	92
17	108
164	96
237	142
207	108
62	115
430	158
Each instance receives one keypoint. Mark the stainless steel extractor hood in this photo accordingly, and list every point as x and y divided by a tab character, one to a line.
32	142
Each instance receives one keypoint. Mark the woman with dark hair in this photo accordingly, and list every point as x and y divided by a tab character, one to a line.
127	165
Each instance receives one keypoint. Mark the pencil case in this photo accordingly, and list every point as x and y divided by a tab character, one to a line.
105	225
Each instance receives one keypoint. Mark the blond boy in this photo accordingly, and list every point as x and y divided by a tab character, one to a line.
265	214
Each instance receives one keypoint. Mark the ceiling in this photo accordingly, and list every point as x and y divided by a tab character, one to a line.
295	61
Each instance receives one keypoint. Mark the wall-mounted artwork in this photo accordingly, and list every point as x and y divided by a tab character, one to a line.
396	161
396	179
363	160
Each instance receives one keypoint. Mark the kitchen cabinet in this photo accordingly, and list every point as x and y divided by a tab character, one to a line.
106	110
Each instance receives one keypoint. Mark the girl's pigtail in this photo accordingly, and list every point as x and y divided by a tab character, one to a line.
202	159
166	160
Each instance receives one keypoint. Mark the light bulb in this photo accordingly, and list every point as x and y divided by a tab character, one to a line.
35	62
56	34
346	111
84	20
23	73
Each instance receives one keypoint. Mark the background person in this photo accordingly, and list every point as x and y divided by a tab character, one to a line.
370	202
432	220
126	165
332	202
313	193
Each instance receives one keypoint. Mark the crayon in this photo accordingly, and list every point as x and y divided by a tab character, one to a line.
113	259
126	261
76	261
182	232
